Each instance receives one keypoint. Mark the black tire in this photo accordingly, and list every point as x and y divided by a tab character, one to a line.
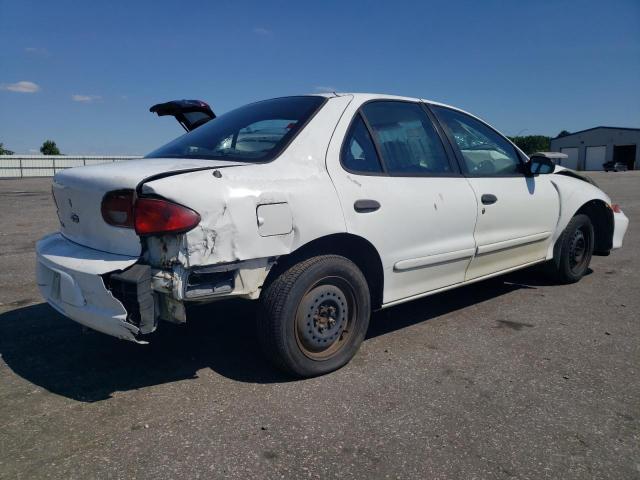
314	316
574	249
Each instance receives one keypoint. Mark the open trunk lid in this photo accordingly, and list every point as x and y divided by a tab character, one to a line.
78	194
189	113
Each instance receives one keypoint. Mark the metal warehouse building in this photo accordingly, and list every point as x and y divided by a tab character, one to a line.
589	149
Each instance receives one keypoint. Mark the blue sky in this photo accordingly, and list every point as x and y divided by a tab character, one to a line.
94	68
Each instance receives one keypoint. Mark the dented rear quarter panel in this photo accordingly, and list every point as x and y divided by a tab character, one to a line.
227	203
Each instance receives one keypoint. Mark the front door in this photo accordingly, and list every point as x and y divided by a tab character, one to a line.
516	214
401	190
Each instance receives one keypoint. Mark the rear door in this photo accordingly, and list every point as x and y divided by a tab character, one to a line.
401	190
516	214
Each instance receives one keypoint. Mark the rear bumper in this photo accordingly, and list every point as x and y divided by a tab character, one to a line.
69	279
620	225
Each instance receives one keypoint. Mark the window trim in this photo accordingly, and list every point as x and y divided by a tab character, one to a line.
449	152
344	145
458	153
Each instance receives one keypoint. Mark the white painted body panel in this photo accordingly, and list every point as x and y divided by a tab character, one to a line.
229	228
423	231
68	277
274	219
621	223
431	233
573	194
79	191
517	229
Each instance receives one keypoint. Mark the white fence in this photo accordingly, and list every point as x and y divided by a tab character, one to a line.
20	166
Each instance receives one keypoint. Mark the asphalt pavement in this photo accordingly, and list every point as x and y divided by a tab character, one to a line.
508	378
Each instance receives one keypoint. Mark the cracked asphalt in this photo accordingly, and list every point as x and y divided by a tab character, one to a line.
508	378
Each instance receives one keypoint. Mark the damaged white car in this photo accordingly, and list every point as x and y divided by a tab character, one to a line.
320	207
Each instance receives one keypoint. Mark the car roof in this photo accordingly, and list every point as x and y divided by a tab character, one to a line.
365	97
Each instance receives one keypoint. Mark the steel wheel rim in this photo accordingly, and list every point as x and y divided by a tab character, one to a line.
578	250
325	318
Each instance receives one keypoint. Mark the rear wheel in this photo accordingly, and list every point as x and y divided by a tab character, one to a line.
575	250
314	315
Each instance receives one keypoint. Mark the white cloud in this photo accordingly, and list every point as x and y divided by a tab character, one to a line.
37	51
85	98
262	31
325	89
21	87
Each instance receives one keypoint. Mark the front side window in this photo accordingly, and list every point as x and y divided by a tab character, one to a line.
408	141
254	133
358	152
485	152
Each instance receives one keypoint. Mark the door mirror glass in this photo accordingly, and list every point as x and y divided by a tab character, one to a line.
539	165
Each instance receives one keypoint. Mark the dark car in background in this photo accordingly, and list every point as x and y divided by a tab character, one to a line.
613	166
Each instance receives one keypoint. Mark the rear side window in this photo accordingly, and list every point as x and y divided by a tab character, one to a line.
408	141
485	152
358	152
254	133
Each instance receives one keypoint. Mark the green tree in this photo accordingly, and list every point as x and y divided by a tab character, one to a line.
49	147
532	143
4	151
563	133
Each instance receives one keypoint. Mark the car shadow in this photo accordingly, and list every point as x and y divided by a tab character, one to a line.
51	351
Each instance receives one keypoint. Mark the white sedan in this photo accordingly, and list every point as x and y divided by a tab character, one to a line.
320	207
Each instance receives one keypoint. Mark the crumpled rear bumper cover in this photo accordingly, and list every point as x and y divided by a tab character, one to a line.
69	279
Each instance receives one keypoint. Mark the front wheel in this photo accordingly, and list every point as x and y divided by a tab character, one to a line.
575	248
314	315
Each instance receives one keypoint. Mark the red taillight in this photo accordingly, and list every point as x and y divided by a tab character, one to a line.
117	208
157	216
616	208
148	216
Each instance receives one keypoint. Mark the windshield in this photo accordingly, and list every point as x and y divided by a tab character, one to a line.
254	133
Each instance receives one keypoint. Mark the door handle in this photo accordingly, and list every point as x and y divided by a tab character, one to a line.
488	199
366	206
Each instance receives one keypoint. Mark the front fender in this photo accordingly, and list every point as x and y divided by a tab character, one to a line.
573	194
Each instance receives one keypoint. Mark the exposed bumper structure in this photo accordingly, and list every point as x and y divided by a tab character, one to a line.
69	278
620	225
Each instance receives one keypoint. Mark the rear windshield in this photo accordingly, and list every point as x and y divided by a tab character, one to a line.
254	133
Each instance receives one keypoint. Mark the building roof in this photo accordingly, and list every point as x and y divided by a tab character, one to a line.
596	128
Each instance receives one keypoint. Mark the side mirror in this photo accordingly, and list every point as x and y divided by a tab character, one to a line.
540	165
